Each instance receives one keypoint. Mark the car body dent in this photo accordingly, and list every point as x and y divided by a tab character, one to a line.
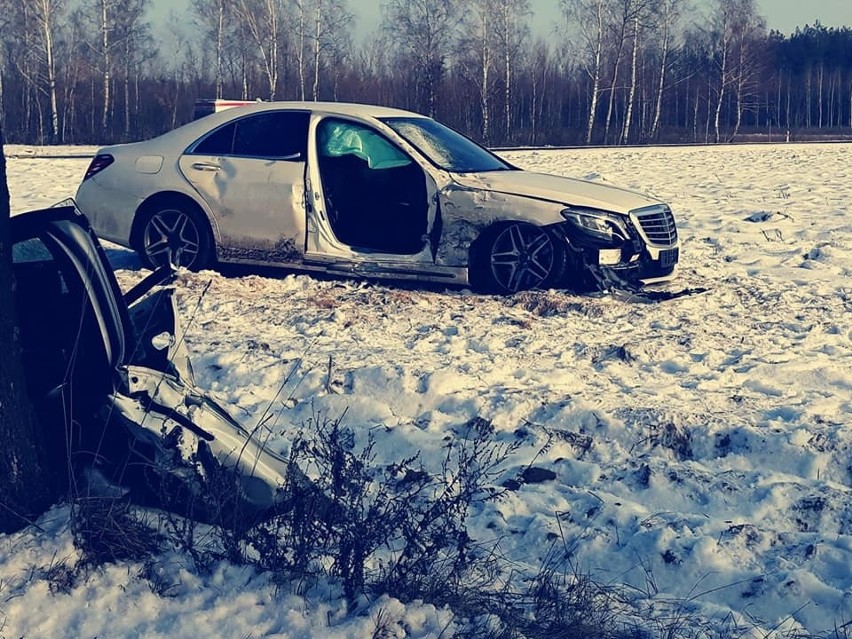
467	211
260	205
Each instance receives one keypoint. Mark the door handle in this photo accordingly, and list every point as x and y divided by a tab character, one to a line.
206	166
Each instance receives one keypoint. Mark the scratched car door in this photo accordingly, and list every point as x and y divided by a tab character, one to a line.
251	174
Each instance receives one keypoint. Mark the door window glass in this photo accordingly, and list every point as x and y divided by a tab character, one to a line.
338	138
220	142
276	135
61	339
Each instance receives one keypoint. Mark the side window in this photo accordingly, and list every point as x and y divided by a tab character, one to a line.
277	135
44	294
40	278
220	142
30	251
337	138
54	315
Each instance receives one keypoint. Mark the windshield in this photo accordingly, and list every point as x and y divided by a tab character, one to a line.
444	147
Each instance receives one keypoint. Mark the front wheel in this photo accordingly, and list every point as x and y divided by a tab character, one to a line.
175	235
517	257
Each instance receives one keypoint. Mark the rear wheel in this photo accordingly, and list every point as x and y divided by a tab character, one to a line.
517	257
177	235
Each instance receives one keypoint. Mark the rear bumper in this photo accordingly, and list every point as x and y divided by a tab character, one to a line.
103	207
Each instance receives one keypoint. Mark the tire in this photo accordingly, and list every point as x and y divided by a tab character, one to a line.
517	257
177	234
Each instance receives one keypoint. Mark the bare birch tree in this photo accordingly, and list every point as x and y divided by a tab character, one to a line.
668	14
425	31
639	19
589	20
512	29
300	28
132	34
264	20
327	26
104	10
34	27
478	52
47	14
751	30
733	24
212	17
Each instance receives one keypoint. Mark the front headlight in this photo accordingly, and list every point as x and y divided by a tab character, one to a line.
597	224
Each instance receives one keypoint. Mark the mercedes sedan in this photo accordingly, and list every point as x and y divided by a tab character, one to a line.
371	192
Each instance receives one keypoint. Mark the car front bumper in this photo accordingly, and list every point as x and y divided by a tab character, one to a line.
649	256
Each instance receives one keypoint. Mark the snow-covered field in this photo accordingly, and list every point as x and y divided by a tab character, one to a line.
702	447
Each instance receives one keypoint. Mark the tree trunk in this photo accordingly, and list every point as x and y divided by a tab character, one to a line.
612	89
2	96
317	47
723	83
596	75
50	66
127	56
664	63
105	57
820	90
27	489
220	37
507	76
625	134
300	52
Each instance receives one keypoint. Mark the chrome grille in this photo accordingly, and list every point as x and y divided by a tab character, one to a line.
657	224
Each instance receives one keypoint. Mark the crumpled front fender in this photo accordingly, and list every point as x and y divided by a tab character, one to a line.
467	212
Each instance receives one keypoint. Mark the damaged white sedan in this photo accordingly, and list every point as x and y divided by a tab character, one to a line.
372	192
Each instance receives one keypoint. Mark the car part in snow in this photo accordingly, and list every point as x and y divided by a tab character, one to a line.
114	383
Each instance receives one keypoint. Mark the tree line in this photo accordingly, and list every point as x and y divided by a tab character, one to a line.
610	71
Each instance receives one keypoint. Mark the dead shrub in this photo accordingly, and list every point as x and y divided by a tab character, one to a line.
397	529
110	530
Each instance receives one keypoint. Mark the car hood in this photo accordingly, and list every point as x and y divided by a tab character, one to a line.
568	191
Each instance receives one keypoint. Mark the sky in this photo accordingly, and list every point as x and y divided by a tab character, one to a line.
781	15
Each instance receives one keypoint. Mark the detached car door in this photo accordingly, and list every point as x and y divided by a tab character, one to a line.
113	385
251	174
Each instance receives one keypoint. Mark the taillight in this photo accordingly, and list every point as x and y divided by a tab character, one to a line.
98	164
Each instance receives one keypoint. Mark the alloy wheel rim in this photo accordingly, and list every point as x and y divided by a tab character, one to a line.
172	237
522	257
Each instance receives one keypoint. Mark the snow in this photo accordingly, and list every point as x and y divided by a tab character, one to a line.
701	446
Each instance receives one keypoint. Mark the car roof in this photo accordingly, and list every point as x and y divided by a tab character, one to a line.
188	133
334	108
